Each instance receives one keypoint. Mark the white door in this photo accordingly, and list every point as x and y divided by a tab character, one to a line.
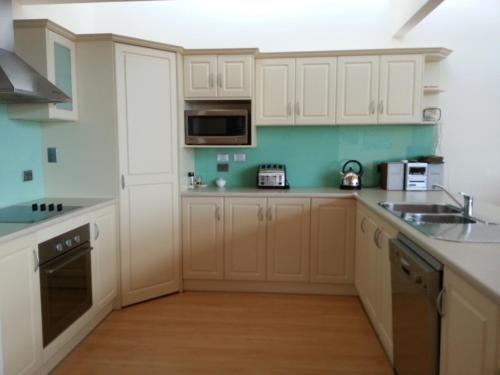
469	330
105	251
20	308
245	238
400	95
147	131
315	91
234	76
332	240
288	231
202	238
275	91
357	90
200	75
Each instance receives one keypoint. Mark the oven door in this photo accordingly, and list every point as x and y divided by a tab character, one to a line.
66	290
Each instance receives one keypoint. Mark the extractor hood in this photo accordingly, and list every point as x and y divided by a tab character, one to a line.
19	82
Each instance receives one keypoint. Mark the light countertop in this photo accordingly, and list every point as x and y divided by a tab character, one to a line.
477	262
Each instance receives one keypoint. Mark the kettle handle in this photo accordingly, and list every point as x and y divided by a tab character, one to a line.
355	162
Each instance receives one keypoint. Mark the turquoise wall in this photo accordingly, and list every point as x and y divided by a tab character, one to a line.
20	149
314	154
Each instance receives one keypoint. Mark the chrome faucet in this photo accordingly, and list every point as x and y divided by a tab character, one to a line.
468	200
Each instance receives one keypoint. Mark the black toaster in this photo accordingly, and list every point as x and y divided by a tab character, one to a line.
272	176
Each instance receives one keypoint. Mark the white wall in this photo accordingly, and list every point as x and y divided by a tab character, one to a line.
471	75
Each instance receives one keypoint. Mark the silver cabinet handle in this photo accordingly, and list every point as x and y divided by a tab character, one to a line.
297	108
211	80
123	182
363	225
440	302
219	80
381	107
371	107
376	236
217	213
37	259
270	214
289	109
97	231
260	214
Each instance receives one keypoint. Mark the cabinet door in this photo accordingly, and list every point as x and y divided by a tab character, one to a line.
200	76
469	330
202	235
149	198
357	93
315	90
288	239
20	310
104	232
400	89
245	238
275	84
332	240
234	76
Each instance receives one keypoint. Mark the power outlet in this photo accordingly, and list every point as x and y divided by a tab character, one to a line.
52	155
28	175
223	167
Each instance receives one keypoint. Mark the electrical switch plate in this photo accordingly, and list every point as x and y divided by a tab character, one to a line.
52	155
28	175
223	167
222	158
239	157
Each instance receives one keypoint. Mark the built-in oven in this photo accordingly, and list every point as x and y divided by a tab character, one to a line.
65	280
217	127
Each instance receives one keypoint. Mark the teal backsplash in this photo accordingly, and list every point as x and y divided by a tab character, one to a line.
314	154
20	149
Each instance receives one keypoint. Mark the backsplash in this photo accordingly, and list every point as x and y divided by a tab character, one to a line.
20	149
314	155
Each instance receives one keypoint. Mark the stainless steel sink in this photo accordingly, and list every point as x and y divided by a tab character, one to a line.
438	219
422	208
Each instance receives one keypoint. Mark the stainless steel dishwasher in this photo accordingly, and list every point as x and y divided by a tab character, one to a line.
416	279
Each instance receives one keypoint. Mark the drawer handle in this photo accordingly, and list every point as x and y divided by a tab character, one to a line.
260	214
217	213
363	220
376	238
289	109
381	107
97	231
37	259
371	107
440	302
270	214
297	108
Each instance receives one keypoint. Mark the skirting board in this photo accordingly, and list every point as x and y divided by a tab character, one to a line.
269	287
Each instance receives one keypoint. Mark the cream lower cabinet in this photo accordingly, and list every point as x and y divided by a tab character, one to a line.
373	277
332	240
245	238
20	310
469	330
202	235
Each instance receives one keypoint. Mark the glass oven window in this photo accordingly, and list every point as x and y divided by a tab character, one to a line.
217	126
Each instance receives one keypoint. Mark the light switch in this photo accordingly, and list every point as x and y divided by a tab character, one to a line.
28	175
239	158
222	158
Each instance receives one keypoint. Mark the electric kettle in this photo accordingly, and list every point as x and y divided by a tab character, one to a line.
351	179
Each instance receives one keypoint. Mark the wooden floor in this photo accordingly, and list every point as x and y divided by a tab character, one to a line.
232	333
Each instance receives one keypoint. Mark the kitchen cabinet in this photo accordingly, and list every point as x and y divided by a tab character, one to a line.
288	231
296	91
469	330
380	89
20	309
202	235
105	256
53	55
332	240
372	278
224	76
245	238
147	138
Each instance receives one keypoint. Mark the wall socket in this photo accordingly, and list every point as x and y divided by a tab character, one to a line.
222	158
222	167
52	155
240	157
28	175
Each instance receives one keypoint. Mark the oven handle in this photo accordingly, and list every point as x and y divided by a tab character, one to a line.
73	257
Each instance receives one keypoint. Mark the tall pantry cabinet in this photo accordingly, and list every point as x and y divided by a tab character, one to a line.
125	145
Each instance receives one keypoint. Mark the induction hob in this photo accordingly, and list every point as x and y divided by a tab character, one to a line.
33	213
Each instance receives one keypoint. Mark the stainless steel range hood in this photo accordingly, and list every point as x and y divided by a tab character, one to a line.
19	82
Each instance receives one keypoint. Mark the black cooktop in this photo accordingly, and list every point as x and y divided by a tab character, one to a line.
34	213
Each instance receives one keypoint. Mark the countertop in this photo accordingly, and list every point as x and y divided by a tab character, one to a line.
11	231
476	262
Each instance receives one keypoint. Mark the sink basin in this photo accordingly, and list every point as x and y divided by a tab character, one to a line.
422	208
437	219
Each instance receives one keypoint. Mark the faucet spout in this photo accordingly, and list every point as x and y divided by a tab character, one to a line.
466	206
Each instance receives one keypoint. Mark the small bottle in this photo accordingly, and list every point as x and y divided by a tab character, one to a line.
190	180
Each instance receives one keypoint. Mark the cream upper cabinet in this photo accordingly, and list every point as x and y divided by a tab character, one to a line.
288	239
332	240
315	82
54	56
202	237
224	76
357	90
245	238
149	194
20	309
469	330
275	91
400	93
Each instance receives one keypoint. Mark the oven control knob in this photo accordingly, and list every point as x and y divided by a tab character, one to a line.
69	243
76	238
59	247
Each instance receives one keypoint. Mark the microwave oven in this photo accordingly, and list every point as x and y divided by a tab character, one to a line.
217	127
